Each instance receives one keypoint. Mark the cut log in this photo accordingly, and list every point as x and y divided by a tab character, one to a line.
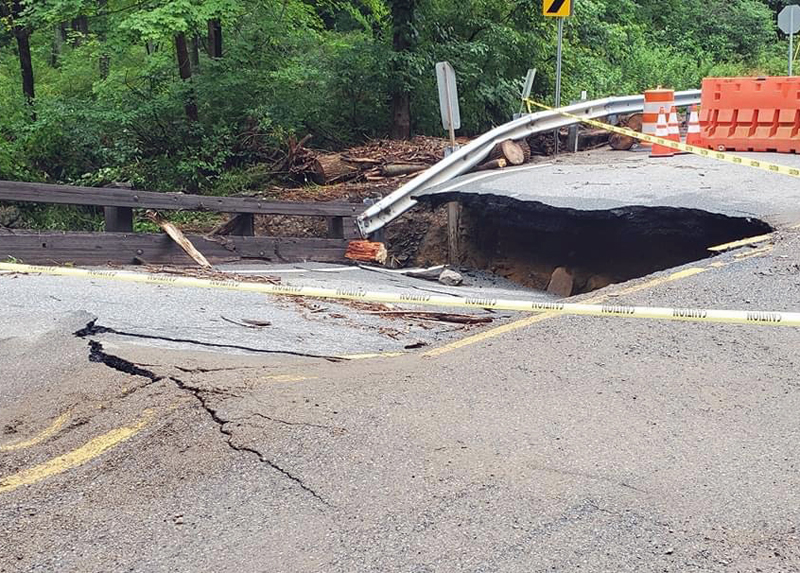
621	142
176	235
625	142
526	150
592	139
493	164
367	252
395	169
509	150
331	168
634	122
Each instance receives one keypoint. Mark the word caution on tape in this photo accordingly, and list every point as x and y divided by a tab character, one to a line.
702	151
619	311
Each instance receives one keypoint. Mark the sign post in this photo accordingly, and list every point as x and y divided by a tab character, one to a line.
558	9
789	23
448	101
526	91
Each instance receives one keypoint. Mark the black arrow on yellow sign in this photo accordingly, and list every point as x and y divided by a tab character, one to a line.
557	8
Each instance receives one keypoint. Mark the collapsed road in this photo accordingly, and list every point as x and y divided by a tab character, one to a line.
141	431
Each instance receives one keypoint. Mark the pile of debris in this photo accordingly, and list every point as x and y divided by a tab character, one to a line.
381	160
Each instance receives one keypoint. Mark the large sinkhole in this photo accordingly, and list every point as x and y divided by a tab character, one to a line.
571	251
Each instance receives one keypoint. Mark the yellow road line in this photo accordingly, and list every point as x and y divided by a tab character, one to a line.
753	253
51	430
75	458
486	334
511	326
288	378
371	355
741	243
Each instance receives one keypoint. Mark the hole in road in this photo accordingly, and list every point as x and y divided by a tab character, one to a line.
571	250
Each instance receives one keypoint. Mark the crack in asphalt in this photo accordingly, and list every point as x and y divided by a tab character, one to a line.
93	328
288	423
99	355
222	426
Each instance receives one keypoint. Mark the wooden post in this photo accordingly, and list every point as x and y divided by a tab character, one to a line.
118	219
335	227
453	223
244	225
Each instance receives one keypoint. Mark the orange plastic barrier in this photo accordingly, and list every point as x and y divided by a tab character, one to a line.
751	114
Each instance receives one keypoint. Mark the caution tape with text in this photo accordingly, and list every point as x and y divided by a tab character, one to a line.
703	152
683	314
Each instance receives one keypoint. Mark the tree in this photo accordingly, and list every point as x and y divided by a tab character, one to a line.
12	14
404	36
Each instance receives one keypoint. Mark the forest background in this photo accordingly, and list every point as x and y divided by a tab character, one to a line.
190	95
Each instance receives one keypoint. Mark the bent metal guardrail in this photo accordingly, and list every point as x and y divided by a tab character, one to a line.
463	160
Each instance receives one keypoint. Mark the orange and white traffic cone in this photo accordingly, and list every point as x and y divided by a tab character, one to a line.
662	131
674	128
693	136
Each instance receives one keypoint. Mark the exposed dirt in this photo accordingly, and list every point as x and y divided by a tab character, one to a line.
526	241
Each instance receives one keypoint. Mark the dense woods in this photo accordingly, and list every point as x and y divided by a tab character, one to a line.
190	94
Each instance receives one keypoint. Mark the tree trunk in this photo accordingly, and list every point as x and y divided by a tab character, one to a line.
8	12
403	35
401	115
214	39
59	37
194	54
105	58
185	70
23	36
80	25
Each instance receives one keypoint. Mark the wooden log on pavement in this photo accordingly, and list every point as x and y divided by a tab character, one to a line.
366	252
509	150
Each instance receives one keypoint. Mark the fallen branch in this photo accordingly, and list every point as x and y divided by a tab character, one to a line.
176	235
237	323
437	316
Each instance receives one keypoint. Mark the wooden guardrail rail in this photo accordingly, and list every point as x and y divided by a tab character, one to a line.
120	245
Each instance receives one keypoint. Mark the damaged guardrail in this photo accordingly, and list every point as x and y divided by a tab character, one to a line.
392	206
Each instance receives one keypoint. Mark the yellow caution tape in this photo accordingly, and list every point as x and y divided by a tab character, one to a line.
608	310
701	151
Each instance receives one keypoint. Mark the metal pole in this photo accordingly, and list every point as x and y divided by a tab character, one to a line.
791	48
558	73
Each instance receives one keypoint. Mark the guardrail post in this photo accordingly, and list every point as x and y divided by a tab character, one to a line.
572	138
453	223
244	225
118	219
335	227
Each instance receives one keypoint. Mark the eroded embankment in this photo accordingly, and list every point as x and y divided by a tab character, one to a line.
528	241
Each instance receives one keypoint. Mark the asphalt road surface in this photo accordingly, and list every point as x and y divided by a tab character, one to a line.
607	179
536	443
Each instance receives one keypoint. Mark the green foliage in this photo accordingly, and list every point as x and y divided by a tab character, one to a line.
111	105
